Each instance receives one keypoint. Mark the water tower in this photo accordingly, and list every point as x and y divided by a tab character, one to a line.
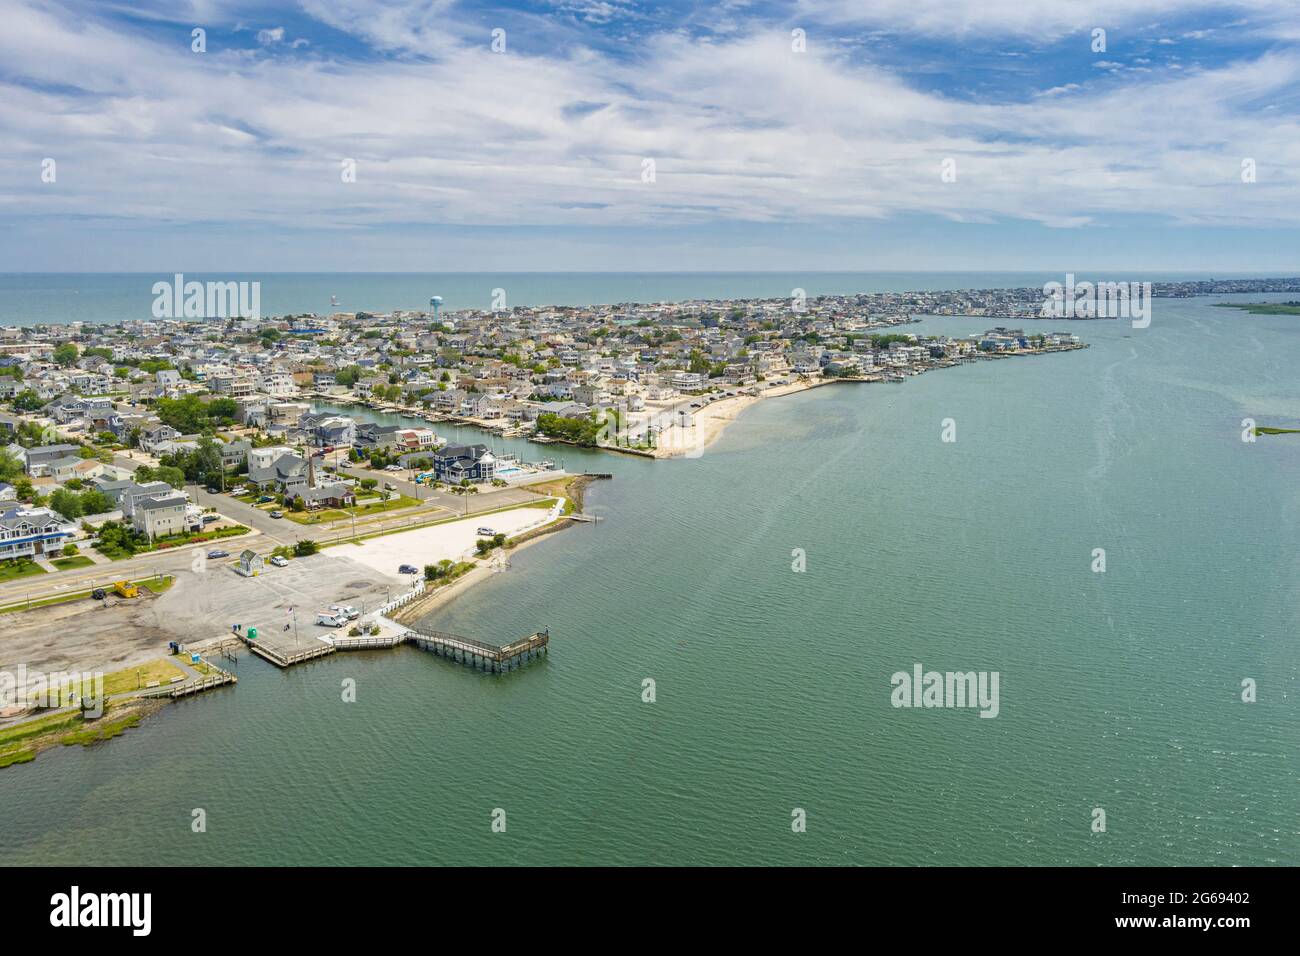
435	303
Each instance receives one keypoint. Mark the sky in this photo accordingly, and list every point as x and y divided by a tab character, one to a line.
575	135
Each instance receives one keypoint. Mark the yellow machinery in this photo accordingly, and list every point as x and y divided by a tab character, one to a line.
125	589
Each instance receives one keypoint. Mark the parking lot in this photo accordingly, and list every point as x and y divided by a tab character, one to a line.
116	633
220	598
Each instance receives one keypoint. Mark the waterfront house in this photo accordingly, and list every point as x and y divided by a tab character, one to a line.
375	435
455	463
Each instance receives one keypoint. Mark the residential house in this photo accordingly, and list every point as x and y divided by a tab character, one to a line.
159	517
29	532
457	462
40	459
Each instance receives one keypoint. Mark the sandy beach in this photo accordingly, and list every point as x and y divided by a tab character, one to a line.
708	423
450	541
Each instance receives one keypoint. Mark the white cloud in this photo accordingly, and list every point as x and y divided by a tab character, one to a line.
740	129
1043	19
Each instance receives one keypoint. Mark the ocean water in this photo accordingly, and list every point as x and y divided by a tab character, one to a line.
33	298
1118	691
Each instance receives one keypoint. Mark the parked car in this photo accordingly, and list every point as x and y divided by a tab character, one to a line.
262	499
280	561
208	519
485	531
408	569
389	486
393	468
277	514
218	553
327	619
98	594
347	610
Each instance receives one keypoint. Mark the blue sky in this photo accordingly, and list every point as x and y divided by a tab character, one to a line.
766	156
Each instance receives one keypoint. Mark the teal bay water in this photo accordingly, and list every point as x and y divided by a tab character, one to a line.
1118	690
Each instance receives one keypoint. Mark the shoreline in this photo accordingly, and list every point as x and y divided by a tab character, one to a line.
126	712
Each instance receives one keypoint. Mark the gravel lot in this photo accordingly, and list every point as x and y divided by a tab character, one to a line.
113	634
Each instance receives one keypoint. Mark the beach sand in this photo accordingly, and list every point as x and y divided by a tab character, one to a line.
451	541
710	422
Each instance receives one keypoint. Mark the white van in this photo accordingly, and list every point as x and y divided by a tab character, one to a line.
328	619
347	610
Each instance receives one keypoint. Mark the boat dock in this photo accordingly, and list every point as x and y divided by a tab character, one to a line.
491	658
285	651
183	689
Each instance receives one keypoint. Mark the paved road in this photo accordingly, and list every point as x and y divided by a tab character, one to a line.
142	566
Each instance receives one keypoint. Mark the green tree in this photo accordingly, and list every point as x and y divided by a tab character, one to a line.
10	467
66	354
28	401
66	503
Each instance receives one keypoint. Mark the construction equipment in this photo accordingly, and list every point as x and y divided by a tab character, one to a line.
125	589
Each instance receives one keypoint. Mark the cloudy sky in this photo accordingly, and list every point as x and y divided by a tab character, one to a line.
768	153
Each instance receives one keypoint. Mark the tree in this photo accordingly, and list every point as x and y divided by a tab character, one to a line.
66	354
28	401
369	484
95	502
305	547
66	503
10	467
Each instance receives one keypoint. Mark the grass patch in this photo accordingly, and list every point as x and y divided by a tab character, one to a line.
102	729
128	679
151	584
67	564
1263	308
429	524
20	568
361	511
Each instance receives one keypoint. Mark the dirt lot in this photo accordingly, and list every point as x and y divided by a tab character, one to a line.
109	635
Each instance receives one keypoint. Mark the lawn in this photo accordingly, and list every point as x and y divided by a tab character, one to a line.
134	678
338	514
67	564
152	584
20	568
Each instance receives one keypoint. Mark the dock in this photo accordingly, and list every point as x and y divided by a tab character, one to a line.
218	679
491	658
283	652
481	655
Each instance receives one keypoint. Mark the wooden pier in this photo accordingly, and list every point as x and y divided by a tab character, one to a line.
219	679
282	653
492	658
